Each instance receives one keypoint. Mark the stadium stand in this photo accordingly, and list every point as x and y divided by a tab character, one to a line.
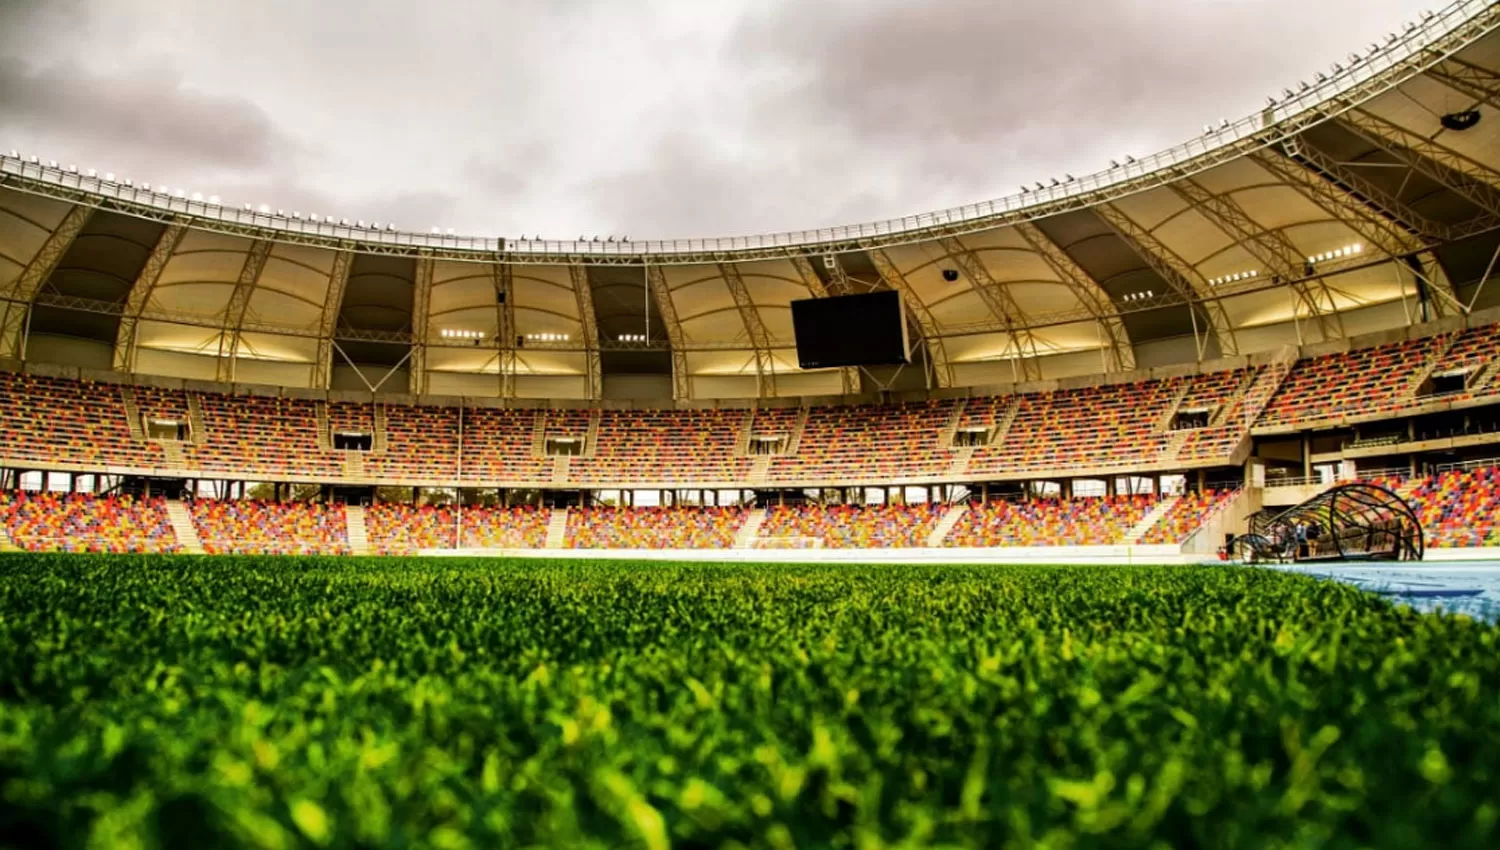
1361	382
498	445
505	528
248	435
54	420
664	446
60	522
853	526
271	528
1092	428
1050	522
654	528
396	529
1190	511
1459	508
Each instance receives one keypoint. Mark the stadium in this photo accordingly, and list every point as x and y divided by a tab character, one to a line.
1140	366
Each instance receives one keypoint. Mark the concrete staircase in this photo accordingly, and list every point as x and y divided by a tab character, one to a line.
950	518
1434	357
745	537
354	466
539	434
195	419
747	430
1231	404
560	467
357	530
171	452
794	439
959	465
759	470
1159	510
1174	446
591	436
950	429
132	413
1165	423
325	428
6	544
1007	418
377	439
182	526
557	529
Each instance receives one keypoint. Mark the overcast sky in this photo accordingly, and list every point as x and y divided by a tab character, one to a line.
647	118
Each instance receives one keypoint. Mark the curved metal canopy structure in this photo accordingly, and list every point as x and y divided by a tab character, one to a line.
1368	199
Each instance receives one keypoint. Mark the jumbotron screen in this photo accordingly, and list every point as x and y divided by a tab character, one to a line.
850	330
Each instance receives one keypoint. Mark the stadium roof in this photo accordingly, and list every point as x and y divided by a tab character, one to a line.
1368	199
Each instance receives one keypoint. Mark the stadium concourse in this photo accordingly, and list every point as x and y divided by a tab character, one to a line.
1134	362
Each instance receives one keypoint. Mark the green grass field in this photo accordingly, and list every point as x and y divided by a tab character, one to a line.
154	702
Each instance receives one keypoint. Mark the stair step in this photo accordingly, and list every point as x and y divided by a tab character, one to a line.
557	530
181	518
1150	520
945	525
356	529
745	537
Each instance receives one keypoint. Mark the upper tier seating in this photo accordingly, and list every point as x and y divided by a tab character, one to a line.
854	526
395	529
1083	429
59	522
53	420
271	528
1050	522
665	446
654	528
1360	382
868	442
83	425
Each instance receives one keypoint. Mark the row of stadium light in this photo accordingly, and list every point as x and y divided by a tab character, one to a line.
1337	253
212	200
1234	278
455	333
549	337
631	338
1138	296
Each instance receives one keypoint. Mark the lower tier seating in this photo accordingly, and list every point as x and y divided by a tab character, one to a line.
395	529
654	528
504	528
1186	516
271	528
1459	508
1050	522
851	526
55	522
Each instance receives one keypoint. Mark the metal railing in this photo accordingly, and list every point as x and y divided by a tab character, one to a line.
1322	97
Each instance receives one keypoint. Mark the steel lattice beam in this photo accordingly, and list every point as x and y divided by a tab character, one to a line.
1477	82
1471	180
755	329
937	352
1184	280
593	374
848	376
1348	179
1271	248
1387	237
1001	304
656	282
505	322
13	314
421	319
239	307
333	302
1086	290
140	296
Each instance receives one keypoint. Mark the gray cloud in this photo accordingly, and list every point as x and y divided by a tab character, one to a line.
149	109
657	118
